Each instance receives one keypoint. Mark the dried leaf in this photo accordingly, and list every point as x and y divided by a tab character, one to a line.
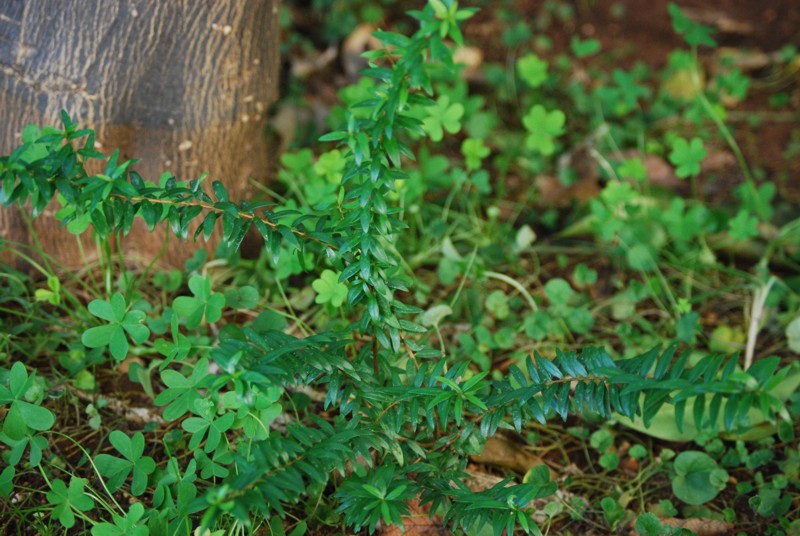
503	451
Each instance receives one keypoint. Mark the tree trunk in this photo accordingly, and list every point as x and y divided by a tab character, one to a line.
182	84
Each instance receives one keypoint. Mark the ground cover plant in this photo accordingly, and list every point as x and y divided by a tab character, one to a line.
428	341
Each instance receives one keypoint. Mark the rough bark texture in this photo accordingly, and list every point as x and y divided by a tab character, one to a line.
182	84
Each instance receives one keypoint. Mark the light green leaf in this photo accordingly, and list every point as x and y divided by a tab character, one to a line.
329	289
543	127
443	116
793	335
532	69
687	156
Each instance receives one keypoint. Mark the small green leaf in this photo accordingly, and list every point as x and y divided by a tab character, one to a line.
474	152
698	477
687	326
532	69
205	304
331	166
65	500
584	47
7	481
694	33
122	324
558	291
128	525
687	156
443	116
329	289
543	127
497	304
743	226
648	525
633	168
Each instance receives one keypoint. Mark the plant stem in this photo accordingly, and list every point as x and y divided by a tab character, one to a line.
516	284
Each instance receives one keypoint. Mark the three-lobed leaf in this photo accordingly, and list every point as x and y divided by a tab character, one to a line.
23	417
127	525
122	324
329	289
442	116
66	499
543	128
204	304
687	156
532	69
117	469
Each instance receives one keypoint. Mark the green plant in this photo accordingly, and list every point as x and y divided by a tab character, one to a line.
698	477
124	323
400	418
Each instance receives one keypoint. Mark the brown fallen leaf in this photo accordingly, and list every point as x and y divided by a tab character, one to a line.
552	193
305	66
472	59
700	526
717	161
417	523
479	481
658	171
504	451
359	41
125	365
719	19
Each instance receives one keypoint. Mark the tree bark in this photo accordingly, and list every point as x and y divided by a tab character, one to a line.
182	84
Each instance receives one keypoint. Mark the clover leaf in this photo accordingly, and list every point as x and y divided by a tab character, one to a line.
245	297
7	481
757	200
558	291
255	411
543	127
128	525
629	88
633	168
497	304
532	69
121	321
734	83
204	303
331	166
329	289
474	152
686	156
698	478
743	226
176	350
206	424
216	466
583	48
181	391
117	469
23	416
66	499
693	33
443	116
